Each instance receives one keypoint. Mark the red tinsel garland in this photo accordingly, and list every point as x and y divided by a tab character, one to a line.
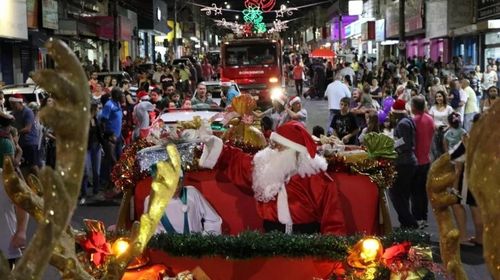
126	173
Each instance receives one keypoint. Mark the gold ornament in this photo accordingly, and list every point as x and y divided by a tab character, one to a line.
483	159
441	176
162	190
53	241
243	132
366	253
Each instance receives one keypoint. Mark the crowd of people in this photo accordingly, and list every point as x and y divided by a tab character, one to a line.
426	108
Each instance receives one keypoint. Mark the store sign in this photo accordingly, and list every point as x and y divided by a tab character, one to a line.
355	8
32	13
13	20
380	30
413	17
50	18
436	14
368	31
487	9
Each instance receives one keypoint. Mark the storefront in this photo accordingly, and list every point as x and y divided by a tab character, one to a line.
14	28
151	27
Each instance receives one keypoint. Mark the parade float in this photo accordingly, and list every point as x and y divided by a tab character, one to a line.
131	251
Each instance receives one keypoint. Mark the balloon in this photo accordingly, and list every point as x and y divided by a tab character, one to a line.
382	116
387	103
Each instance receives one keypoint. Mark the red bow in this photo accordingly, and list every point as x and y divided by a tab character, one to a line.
396	254
95	244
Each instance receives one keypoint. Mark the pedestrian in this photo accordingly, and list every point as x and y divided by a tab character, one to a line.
188	212
111	118
141	115
25	124
439	112
92	171
334	93
372	125
13	219
405	163
471	108
491	98
344	125
298	77
424	133
207	70
295	111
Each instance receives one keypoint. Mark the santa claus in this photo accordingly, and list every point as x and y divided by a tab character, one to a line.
288	180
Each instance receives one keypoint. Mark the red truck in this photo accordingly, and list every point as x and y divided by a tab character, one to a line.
255	64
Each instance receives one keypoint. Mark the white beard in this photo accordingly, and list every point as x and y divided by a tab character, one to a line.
273	169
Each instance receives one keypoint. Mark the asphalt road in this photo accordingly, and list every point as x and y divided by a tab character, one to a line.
317	115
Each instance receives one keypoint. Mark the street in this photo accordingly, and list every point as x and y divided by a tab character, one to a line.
317	115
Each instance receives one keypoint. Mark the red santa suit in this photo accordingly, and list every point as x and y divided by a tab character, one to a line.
307	195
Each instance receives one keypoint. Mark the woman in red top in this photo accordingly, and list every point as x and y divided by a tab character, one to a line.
207	70
298	74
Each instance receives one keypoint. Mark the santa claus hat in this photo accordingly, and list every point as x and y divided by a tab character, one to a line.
399	106
294	136
16	98
143	95
294	100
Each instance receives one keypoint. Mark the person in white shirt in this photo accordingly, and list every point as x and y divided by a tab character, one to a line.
490	79
471	108
188	212
334	92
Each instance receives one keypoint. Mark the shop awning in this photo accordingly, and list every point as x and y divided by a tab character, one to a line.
322	52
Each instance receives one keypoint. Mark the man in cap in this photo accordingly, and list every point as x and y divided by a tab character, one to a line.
405	163
288	180
25	124
295	111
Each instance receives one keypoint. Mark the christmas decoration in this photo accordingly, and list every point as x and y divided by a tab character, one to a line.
440	178
253	15
278	26
285	10
481	167
252	244
365	253
208	10
379	145
264	5
243	133
94	243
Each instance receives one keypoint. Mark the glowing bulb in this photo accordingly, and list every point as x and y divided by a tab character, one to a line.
120	246
370	248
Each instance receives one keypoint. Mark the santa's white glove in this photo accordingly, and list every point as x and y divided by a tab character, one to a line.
211	151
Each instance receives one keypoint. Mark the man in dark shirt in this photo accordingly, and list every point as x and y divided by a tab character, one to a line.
405	163
344	124
28	134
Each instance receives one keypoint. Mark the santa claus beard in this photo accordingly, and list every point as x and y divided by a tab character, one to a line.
273	168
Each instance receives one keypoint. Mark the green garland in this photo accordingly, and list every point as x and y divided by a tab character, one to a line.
253	244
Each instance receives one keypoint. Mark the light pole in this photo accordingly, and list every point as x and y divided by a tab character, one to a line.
175	29
402	45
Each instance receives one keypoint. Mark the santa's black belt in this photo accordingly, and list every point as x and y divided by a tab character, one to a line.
296	228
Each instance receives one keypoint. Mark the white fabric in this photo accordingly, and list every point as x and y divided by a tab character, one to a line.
288	143
440	117
272	170
211	152
198	209
8	223
283	210
334	92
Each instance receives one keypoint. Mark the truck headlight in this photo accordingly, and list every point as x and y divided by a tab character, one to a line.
273	80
